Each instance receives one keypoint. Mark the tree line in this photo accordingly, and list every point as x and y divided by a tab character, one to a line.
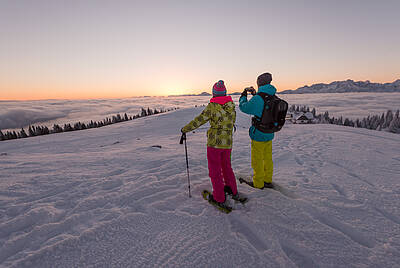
388	121
44	130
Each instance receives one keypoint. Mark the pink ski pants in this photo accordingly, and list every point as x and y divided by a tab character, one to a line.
220	172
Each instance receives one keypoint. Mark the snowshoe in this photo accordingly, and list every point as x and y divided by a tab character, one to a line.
219	205
273	186
250	183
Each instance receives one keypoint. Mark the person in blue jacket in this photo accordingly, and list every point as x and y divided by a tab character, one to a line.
261	143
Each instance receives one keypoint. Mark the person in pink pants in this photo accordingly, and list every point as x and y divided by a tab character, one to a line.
221	115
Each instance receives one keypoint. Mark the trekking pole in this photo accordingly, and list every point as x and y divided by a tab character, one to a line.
183	138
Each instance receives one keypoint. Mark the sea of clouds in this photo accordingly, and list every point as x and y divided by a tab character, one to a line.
18	114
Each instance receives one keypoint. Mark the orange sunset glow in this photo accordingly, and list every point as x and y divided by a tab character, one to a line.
85	51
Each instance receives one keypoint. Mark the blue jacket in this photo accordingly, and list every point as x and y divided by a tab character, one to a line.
255	107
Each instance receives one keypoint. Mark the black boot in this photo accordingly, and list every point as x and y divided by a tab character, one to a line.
268	185
236	197
228	190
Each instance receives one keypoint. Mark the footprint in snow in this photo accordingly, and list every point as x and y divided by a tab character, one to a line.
157	146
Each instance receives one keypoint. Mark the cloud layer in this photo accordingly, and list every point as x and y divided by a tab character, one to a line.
17	114
18	118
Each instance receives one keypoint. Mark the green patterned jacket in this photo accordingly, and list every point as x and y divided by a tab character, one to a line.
221	114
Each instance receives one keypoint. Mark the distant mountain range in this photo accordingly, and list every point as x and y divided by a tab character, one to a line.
334	87
202	94
347	86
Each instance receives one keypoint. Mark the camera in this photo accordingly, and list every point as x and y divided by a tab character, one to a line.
251	90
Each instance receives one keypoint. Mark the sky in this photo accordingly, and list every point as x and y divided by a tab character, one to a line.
113	49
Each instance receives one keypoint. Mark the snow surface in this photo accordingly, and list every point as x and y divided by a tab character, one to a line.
111	197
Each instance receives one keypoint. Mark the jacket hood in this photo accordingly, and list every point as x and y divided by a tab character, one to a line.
221	100
268	89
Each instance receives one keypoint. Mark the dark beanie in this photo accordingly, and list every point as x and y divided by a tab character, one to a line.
264	79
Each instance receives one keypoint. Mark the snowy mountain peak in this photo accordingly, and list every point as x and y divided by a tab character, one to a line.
396	83
347	86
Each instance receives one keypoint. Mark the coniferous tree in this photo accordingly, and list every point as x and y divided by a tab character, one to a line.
23	134
340	120
375	122
368	122
326	117
313	112
2	138
394	125
38	131
31	131
57	128
46	130
382	120
388	119
68	127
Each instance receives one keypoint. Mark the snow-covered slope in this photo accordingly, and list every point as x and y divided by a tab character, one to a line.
111	197
348	86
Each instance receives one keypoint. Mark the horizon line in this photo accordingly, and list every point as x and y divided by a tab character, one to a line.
186	94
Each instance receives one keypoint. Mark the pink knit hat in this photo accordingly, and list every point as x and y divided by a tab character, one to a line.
219	89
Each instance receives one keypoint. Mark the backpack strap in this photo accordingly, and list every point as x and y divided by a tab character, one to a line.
265	97
257	121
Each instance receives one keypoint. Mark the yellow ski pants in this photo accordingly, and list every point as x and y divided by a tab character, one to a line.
261	162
